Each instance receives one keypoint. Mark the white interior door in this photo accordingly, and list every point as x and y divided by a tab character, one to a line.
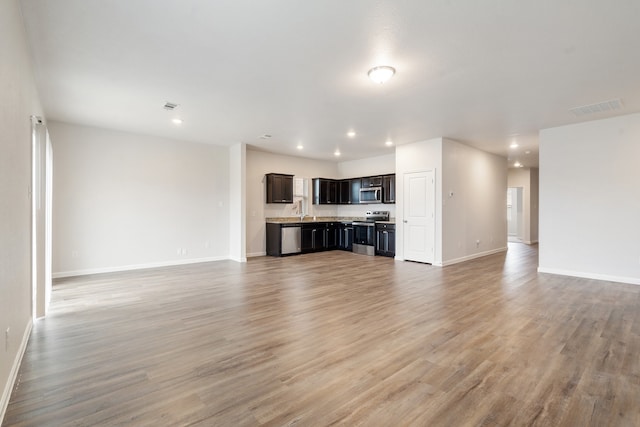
419	216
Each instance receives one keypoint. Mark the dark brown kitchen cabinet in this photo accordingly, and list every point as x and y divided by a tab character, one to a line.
314	237
389	188
325	191
349	191
385	242
345	237
279	188
345	192
332	236
371	181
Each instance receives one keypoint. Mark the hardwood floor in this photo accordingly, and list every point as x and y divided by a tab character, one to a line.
334	338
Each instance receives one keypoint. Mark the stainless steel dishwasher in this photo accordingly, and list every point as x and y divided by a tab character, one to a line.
291	239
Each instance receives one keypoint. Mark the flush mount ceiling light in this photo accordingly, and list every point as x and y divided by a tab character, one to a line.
517	164
514	145
351	134
388	143
336	153
299	147
177	121
381	74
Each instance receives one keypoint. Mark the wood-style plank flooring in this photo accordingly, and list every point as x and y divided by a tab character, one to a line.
334	338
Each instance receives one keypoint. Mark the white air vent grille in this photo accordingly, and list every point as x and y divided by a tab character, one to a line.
170	106
600	107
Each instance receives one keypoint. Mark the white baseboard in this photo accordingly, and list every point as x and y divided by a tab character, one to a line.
240	259
595	276
255	254
72	273
13	374
472	256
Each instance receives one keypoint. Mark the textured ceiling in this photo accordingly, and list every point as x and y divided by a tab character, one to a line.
477	72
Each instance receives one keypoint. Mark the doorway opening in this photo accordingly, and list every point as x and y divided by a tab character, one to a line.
515	219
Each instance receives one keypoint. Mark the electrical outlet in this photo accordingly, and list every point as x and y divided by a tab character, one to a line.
6	339
477	242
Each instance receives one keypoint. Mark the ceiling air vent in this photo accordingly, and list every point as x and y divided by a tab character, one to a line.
600	107
170	106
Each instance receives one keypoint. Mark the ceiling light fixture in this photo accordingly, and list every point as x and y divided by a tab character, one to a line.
381	74
336	153
177	121
388	143
351	134
299	147
517	164
514	145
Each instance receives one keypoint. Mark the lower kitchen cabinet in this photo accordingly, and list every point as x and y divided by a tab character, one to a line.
304	237
385	241
314	237
345	237
331	240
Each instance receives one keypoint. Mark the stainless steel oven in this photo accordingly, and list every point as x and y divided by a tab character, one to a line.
363	237
364	232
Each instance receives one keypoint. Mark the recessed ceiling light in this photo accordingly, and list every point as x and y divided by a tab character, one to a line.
177	121
299	147
381	74
336	153
388	143
514	145
351	133
517	164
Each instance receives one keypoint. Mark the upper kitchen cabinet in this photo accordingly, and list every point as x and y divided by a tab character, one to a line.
389	188
325	191
371	181
349	190
279	188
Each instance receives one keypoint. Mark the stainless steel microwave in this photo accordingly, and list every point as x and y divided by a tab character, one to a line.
371	195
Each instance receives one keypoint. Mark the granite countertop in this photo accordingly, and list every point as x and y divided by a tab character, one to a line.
310	219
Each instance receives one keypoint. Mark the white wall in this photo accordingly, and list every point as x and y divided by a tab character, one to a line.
590	199
527	178
19	102
419	157
474	188
126	201
260	163
475	211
